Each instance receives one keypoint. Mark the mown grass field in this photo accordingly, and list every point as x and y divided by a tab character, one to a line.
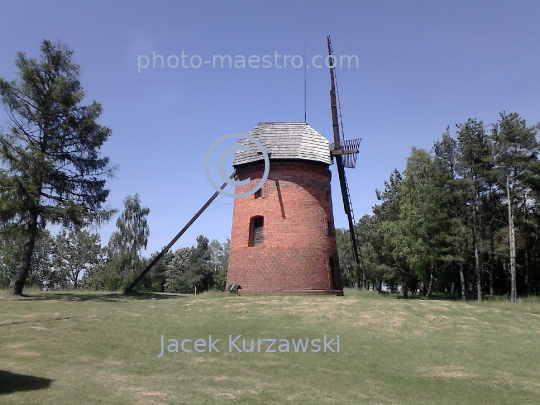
102	348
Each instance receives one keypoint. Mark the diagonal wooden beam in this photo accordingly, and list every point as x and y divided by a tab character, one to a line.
129	289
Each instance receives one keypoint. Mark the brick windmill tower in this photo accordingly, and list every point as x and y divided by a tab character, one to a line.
283	237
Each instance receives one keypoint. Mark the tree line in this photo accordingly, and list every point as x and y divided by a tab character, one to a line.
76	260
463	217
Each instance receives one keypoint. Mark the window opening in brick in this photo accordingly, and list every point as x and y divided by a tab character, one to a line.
256	231
258	193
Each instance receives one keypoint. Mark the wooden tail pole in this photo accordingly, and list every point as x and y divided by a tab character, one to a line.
129	289
338	153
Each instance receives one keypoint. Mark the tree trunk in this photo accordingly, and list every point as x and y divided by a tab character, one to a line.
491	265
405	289
527	268
360	280
476	254
526	274
430	285
377	285
17	282
512	242
462	279
532	289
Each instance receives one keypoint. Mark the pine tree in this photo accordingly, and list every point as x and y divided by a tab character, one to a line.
419	233
52	169
474	164
516	167
176	269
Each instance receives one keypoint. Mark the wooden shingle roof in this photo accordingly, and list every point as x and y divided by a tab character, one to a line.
285	140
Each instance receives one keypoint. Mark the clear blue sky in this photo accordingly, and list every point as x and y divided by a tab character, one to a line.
423	66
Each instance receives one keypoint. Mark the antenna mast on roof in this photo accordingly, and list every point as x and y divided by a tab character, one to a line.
305	85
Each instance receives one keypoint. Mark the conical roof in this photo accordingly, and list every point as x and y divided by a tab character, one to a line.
285	140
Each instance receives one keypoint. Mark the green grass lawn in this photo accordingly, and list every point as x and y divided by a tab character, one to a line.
102	348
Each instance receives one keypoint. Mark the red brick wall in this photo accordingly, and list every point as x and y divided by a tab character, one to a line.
297	244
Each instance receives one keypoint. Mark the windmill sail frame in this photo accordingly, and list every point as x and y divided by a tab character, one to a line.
348	149
345	152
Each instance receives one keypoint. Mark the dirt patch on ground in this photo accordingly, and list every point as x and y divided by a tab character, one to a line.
25	353
199	360
380	319
15	345
231	395
438	319
114	362
328	370
528	320
446	372
148	397
103	376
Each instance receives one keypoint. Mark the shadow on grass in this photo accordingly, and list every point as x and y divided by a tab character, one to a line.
434	297
398	296
13	382
99	297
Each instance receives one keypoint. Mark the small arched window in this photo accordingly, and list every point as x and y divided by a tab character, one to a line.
256	231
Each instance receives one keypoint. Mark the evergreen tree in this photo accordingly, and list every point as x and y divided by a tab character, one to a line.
191	268
176	270
156	279
52	169
455	205
473	165
388	214
517	169
200	272
347	263
419	234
